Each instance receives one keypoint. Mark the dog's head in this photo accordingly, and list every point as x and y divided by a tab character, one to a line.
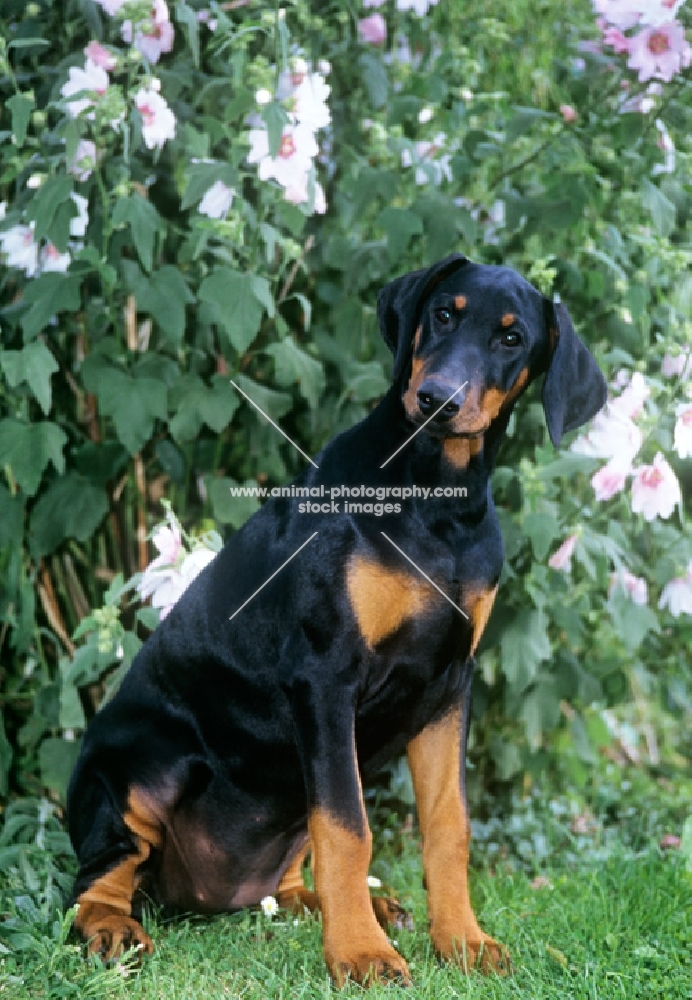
487	329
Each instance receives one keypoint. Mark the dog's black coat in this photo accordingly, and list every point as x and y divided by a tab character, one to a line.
236	732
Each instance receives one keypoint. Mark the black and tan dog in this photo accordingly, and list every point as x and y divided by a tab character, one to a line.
234	747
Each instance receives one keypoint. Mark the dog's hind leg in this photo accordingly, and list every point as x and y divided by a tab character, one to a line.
292	893
112	857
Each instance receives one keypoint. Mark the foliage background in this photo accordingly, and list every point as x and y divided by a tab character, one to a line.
114	379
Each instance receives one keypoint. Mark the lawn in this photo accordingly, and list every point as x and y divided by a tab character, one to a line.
600	924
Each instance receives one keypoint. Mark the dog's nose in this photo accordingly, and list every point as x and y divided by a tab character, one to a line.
432	396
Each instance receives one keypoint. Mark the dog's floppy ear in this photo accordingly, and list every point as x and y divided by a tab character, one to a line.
399	305
574	388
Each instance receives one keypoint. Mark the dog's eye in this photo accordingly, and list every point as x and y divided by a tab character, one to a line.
510	339
443	315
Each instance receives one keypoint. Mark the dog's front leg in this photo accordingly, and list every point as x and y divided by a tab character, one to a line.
355	946
437	761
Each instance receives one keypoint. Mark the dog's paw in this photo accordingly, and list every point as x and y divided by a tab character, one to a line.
111	936
367	965
390	915
474	951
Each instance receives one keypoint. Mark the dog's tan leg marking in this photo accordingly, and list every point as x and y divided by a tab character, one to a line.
434	759
294	895
355	946
104	918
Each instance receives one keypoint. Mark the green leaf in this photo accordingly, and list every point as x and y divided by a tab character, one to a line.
540	710
172	460
48	295
34	364
71	507
133	403
87	664
100	462
541	529
235	306
524	644
294	365
57	759
400	225
201	176
46	202
228	509
144	222
262	291
275	404
364	381
506	757
522	121
163	294
21	106
28	448
195	404
306	306
11	518
566	466
376	80
149	617
440	224
5	760
275	117
662	210
71	712
402	108
632	621
28	43
190	25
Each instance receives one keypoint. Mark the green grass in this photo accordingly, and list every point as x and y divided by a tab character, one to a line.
619	928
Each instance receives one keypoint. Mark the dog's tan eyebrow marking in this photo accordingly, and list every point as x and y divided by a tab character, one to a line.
460	301
507	319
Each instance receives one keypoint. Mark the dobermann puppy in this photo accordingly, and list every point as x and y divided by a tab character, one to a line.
238	742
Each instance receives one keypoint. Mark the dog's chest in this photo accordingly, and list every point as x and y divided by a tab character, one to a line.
455	595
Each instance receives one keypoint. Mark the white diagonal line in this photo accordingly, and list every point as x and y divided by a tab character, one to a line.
272	576
419	429
267	417
426	577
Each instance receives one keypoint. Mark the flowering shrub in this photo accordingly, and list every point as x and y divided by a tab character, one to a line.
657	47
179	561
193	192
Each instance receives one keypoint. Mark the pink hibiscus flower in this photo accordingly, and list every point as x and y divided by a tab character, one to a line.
677	594
611	478
373	29
158	119
634	586
562	558
659	52
153	36
655	490
682	441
